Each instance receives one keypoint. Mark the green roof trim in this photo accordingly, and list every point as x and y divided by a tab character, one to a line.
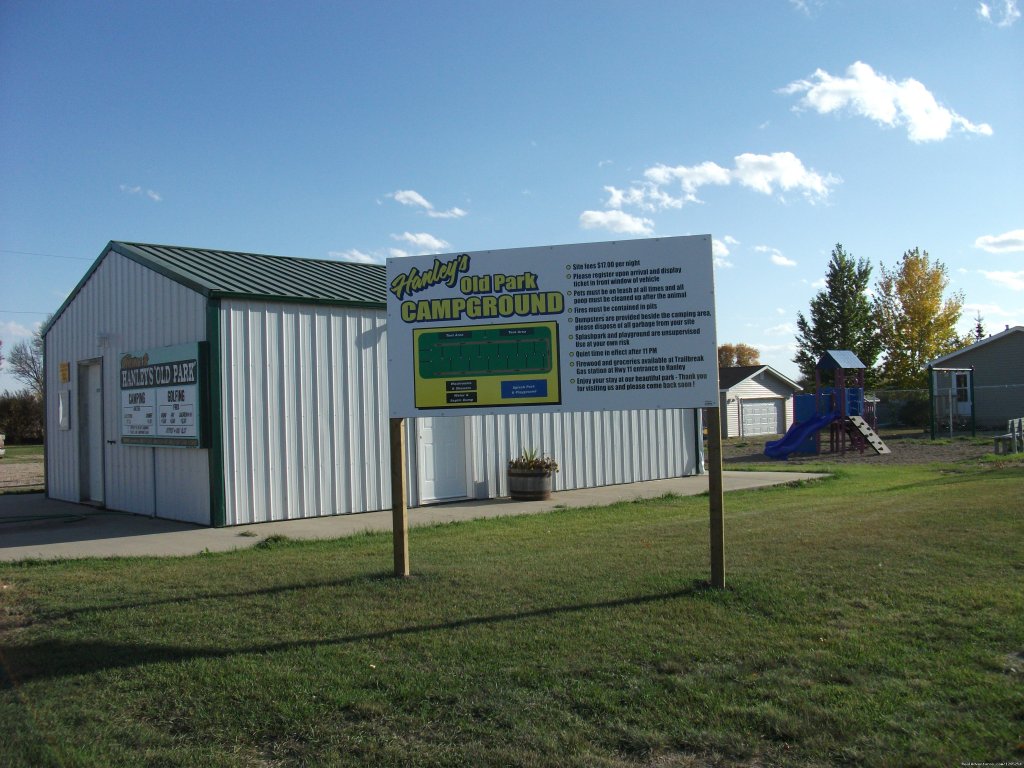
260	277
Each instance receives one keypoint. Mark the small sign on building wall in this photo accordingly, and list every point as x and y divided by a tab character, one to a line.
65	373
161	393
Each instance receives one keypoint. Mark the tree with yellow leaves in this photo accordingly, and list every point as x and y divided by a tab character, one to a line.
915	324
730	355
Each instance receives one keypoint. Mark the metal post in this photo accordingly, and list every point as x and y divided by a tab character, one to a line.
931	399
951	382
974	429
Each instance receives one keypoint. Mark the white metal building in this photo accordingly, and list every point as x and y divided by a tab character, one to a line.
271	373
755	400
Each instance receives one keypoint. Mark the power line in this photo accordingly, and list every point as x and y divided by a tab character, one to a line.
46	255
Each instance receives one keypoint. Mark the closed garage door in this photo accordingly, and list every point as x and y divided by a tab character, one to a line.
762	417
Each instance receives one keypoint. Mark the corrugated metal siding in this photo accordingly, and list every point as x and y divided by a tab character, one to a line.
592	449
136	309
304	411
306	428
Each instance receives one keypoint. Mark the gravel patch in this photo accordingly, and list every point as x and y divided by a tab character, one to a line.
912	448
21	475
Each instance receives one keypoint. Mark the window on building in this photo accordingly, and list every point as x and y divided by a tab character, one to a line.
962	393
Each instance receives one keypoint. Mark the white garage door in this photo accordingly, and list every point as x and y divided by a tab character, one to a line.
762	417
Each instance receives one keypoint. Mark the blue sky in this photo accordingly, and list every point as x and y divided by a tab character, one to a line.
363	130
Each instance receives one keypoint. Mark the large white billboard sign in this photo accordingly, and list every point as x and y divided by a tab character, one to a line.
587	327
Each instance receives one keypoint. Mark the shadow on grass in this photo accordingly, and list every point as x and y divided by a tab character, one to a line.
48	617
53	659
950	474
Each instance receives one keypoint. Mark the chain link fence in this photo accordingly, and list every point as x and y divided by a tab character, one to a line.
993	405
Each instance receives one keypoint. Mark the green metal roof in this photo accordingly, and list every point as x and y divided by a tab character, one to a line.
253	275
233	274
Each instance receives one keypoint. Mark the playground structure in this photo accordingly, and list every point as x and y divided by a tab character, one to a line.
840	407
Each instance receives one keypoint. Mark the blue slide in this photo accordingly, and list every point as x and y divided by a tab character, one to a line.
794	438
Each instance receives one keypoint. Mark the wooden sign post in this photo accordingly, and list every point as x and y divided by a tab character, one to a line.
512	331
716	498
399	496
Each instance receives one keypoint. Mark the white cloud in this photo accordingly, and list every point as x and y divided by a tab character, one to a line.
425	242
411	197
690	178
870	94
780	171
783	170
1005	16
354	254
1012	280
782	329
766	349
451	213
616	221
397	253
414	199
13	330
731	240
645	196
776	256
1008	242
987	311
620	197
128	189
806	6
719	251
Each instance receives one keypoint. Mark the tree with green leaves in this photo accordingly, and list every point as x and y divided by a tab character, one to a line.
979	328
915	323
840	317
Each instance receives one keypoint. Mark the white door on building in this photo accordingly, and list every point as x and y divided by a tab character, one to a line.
762	417
90	432
441	458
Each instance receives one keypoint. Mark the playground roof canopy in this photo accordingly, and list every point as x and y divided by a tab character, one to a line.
834	359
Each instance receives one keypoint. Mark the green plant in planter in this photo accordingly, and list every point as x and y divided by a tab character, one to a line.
531	461
531	476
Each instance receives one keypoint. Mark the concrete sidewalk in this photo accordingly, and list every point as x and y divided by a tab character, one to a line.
32	526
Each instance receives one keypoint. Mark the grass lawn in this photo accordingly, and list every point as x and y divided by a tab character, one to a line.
872	619
20	453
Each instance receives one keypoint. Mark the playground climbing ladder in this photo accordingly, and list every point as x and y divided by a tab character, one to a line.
857	423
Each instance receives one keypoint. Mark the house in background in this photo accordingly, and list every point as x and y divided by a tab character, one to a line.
998	363
755	400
